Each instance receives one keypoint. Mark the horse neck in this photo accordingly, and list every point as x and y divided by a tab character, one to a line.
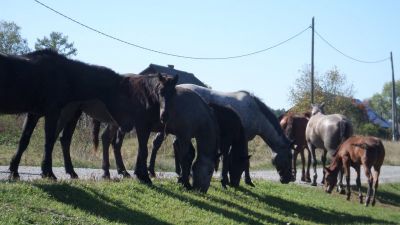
336	164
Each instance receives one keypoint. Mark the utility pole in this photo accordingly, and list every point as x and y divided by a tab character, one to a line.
394	106
312	61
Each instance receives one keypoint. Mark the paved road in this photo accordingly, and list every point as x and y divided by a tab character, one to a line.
389	174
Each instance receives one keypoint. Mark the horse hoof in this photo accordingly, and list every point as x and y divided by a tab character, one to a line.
373	203
250	183
314	184
125	174
187	186
308	180
152	173
73	175
224	186
13	176
144	179
49	175
342	191
106	176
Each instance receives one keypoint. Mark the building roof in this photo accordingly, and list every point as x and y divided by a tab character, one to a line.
373	117
184	77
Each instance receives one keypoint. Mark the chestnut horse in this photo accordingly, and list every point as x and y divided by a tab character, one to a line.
44	82
356	151
294	127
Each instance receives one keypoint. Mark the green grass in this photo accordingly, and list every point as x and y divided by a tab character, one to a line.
129	202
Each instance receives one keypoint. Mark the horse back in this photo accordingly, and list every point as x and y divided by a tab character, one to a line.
365	150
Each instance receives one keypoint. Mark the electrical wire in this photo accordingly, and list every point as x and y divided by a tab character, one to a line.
348	56
167	53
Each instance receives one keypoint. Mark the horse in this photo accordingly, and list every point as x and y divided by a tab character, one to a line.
256	119
232	146
326	132
186	116
44	82
367	151
294	127
67	123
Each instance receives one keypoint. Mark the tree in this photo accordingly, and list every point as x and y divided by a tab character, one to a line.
331	88
58	42
11	41
382	103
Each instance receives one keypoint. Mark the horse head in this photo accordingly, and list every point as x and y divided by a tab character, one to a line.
166	91
330	180
283	163
317	108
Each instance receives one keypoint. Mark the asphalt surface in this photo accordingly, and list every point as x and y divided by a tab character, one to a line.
389	174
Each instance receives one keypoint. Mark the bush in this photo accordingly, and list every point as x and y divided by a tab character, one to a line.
373	130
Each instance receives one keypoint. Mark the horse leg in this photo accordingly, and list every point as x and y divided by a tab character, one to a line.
225	165
50	133
178	169
323	160
376	183
307	177
311	150
117	144
358	183
185	162
247	178
158	140
294	162
106	139
346	169
143	134
27	130
65	141
370	183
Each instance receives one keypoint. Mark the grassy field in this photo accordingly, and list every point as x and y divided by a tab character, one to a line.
83	155
129	202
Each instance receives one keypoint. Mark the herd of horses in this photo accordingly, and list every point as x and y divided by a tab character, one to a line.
46	84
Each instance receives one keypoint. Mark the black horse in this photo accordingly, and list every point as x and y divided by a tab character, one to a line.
154	85
44	82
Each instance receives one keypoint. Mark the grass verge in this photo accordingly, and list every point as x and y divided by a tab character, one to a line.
129	202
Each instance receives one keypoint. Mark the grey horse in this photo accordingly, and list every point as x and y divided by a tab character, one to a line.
326	132
257	119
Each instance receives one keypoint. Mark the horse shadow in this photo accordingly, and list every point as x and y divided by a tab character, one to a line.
221	211
385	197
95	203
312	214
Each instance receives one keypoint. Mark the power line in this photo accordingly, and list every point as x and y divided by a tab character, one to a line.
167	53
348	56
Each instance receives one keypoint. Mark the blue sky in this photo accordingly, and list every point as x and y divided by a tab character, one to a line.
367	30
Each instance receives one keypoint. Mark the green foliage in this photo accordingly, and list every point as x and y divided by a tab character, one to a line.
382	102
11	41
58	42
373	130
331	88
166	202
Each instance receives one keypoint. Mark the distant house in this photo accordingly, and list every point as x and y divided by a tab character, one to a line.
184	77
373	117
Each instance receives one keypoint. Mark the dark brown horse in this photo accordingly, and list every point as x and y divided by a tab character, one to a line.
44	82
186	116
294	127
154	87
232	146
356	151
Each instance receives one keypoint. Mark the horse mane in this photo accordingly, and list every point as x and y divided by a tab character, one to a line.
268	113
45	52
145	88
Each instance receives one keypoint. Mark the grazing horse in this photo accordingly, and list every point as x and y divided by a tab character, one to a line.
44	82
187	116
356	151
294	127
257	119
326	132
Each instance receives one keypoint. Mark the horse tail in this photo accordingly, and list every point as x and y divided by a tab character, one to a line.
345	131
95	133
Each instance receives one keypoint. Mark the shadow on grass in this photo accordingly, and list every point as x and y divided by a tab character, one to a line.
312	214
220	211
385	197
97	204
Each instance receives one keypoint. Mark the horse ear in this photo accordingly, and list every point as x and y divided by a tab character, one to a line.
307	115
174	80
249	156
161	78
